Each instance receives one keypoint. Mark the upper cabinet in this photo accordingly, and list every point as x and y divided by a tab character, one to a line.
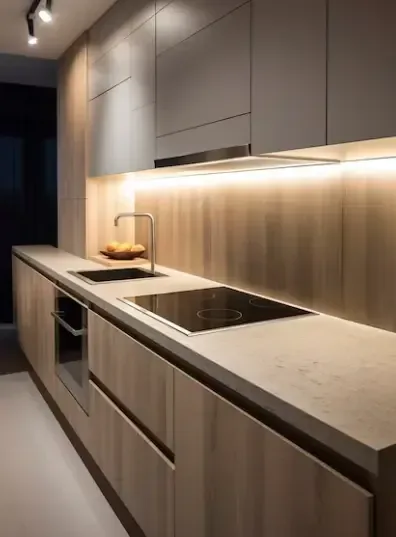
361	70
203	76
180	19
288	74
124	17
122	90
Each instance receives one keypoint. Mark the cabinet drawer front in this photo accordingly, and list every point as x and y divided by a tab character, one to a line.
236	477
139	378
139	473
227	133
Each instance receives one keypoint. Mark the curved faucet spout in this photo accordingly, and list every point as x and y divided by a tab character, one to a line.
152	228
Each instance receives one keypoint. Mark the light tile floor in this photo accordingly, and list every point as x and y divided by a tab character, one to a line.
45	489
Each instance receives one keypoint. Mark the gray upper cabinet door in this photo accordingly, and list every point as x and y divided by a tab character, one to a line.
119	63
180	19
99	77
109	70
98	148
117	23
205	78
142	64
110	132
361	70
288	74
142	143
118	135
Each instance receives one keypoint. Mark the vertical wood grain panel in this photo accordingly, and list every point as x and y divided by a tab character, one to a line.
369	259
71	226
72	150
237	478
282	238
72	120
108	196
138	377
140	474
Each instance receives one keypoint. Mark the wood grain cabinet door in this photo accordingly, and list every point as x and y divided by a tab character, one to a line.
137	470
24	283
237	478
288	74
361	70
140	379
45	330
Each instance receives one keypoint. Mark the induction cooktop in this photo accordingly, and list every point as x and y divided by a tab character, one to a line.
202	310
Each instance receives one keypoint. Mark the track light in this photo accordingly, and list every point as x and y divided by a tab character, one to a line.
32	39
45	13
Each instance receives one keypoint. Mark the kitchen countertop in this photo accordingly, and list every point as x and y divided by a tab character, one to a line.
331	379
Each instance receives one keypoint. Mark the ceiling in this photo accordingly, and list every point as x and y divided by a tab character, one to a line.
71	18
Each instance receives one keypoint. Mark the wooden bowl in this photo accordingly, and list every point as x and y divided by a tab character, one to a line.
121	256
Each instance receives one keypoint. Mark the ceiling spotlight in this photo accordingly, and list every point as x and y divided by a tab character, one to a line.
32	39
45	13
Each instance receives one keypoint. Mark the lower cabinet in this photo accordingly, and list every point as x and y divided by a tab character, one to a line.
24	292
141	475
34	301
237	478
45	330
138	377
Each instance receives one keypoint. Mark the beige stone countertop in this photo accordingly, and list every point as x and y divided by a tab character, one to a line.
332	379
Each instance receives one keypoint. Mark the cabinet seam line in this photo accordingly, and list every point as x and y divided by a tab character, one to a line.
202	125
118	42
201	29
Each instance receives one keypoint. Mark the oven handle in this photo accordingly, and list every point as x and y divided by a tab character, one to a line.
66	326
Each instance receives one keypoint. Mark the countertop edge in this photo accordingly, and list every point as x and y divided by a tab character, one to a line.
358	453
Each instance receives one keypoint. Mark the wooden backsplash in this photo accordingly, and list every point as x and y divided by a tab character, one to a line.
369	245
325	241
106	197
281	237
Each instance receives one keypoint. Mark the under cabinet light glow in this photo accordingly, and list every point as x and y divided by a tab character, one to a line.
370	165
317	172
133	183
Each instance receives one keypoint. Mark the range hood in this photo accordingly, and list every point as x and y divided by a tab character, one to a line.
233	159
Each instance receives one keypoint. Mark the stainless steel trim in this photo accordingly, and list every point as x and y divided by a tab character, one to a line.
226	153
90	282
61	290
66	326
153	246
79	392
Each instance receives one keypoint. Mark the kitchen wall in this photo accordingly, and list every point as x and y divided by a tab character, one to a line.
107	197
320	237
15	69
275	232
72	150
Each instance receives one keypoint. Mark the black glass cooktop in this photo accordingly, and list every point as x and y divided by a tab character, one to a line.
201	310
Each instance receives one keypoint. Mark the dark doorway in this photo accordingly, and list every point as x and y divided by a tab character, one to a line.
28	176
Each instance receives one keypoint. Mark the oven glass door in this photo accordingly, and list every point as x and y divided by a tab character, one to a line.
71	346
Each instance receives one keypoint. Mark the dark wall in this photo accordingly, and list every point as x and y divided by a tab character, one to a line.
28	180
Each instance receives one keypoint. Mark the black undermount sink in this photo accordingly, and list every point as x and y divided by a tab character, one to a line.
114	275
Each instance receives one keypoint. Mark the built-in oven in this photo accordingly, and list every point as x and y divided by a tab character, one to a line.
71	340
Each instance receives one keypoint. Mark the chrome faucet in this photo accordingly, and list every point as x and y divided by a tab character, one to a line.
152	228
